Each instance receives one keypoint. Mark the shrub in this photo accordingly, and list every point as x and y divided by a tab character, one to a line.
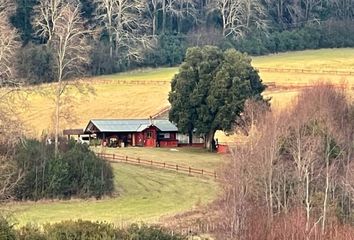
30	232
89	175
86	230
81	230
6	230
77	171
150	233
170	51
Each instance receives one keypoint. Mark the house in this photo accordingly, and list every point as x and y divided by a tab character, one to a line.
134	132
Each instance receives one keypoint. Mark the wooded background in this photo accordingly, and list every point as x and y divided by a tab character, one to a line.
149	33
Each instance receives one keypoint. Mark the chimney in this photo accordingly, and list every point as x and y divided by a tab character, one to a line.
151	121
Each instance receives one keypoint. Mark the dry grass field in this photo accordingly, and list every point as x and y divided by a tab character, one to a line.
108	97
146	194
334	59
341	60
101	99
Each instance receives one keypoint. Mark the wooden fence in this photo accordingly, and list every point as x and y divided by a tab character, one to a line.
156	164
128	82
306	71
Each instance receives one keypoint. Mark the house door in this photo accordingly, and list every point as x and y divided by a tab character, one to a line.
150	137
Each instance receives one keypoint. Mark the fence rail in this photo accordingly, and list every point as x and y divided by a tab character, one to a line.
129	82
261	69
307	71
156	164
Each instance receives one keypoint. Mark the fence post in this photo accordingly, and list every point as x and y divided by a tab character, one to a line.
113	156
138	160
151	162
177	167
126	158
202	171
189	170
164	164
215	174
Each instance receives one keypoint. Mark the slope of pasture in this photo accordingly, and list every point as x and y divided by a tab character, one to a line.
112	99
315	60
101	99
142	194
341	59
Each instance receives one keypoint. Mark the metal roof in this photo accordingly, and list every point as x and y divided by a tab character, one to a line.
73	132
130	125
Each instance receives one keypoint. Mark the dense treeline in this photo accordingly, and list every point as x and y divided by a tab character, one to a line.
296	172
123	34
84	230
75	172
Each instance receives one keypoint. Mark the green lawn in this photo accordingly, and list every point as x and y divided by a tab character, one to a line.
143	195
193	157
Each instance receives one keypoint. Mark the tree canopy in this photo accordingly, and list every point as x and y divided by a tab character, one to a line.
210	91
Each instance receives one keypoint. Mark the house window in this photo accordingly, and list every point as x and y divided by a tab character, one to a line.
149	134
164	136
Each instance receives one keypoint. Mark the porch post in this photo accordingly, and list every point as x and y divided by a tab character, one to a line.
133	139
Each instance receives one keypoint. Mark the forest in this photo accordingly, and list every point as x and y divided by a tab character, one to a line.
118	35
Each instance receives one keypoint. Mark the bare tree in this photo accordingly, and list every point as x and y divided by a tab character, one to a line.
255	14
106	11
9	44
296	164
68	38
239	16
123	21
204	36
153	7
344	9
47	14
181	9
231	14
11	133
11	130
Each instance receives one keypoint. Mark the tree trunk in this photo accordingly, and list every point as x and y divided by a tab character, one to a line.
163	16
190	136
209	141
57	107
57	116
325	201
110	45
154	22
307	201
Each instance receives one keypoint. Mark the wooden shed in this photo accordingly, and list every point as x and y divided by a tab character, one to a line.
134	132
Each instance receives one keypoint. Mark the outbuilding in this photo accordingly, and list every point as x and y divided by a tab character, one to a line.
134	132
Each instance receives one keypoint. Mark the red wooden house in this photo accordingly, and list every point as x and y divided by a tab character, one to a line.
134	132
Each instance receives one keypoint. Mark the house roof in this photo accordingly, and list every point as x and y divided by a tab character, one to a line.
73	132
128	125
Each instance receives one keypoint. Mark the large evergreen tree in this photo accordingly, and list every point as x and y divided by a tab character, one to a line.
210	90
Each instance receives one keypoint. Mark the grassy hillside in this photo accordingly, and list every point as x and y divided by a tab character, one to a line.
337	59
143	194
106	98
324	59
147	194
106	101
191	157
